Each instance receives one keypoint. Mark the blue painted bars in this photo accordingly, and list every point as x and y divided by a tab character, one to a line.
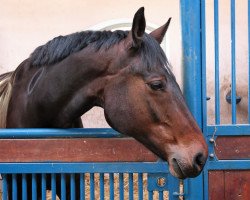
24	187
14	186
102	186
72	187
216	62
194	48
44	187
111	186
192	73
121	186
131	186
5	187
191	39
82	186
140	186
53	186
233	68
58	133
92	186
63	187
34	187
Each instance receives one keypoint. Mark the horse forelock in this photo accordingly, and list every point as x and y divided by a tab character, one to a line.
153	56
6	81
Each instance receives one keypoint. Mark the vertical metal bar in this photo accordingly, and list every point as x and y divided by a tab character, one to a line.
34	187
24	187
191	13
160	195
53	186
140	186
191	39
14	186
150	195
63	186
5	187
92	186
206	183
233	70
111	186
121	186
43	186
82	186
204	89
174	187
72	187
203	64
131	186
248	5
216	62
101	186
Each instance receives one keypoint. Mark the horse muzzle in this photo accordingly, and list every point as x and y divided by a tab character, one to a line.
187	166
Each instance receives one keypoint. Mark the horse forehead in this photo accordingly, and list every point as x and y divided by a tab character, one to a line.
156	71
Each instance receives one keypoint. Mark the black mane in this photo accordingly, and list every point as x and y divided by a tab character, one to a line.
62	46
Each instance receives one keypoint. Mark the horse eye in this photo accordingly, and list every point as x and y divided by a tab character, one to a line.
156	85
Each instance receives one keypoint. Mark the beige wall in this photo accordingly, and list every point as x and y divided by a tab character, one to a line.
26	24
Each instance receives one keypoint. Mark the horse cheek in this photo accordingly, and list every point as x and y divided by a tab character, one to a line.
116	108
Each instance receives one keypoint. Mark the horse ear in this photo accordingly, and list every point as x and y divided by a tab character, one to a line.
135	36
159	33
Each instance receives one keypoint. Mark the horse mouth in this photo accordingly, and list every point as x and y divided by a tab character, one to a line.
176	169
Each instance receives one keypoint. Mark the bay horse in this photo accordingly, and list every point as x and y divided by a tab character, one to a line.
124	72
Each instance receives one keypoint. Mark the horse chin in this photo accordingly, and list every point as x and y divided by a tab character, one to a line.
182	170
176	171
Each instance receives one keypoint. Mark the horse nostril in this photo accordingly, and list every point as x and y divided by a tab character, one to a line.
199	160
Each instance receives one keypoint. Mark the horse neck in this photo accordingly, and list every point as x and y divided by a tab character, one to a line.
76	84
83	69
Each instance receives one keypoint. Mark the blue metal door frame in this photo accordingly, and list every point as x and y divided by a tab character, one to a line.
192	82
194	66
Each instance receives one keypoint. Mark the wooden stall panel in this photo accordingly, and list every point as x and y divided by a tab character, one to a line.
229	185
234	147
237	185
216	185
74	150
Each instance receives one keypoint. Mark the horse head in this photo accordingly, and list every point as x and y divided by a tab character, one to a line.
142	99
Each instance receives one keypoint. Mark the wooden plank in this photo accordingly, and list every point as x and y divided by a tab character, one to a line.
237	185
216	185
74	150
233	147
229	184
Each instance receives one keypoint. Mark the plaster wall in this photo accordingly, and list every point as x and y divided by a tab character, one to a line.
26	24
